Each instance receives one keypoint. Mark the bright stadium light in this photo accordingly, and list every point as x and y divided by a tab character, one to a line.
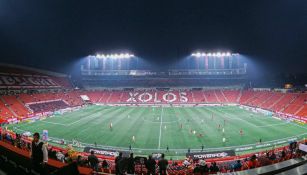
213	54
114	55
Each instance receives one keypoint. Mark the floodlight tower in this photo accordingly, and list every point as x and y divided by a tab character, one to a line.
216	60
110	61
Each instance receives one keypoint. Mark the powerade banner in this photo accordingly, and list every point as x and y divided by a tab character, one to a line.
105	152
211	155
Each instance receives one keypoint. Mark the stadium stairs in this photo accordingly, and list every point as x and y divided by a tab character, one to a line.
5	113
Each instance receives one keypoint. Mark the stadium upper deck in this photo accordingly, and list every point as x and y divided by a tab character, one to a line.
197	70
28	92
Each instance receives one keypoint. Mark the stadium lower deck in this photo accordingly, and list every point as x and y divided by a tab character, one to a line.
153	129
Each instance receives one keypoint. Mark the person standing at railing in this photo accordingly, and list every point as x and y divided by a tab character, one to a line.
93	161
162	165
39	155
131	164
151	166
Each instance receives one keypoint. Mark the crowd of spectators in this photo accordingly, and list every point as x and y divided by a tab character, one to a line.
149	165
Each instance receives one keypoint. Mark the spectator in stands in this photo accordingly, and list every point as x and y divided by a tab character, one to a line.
60	156
130	166
214	168
203	167
105	164
118	160
196	169
264	160
237	166
93	161
38	154
186	163
253	163
283	155
162	165
150	165
273	156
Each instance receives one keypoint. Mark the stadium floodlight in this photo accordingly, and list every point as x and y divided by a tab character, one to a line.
213	54
113	56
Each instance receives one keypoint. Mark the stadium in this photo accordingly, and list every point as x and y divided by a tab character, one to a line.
204	113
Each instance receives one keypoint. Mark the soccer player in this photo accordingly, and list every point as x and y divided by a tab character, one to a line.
164	126
223	130
224	140
181	126
224	122
111	125
241	132
219	126
194	132
133	139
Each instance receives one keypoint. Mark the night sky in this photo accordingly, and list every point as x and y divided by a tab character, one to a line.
55	34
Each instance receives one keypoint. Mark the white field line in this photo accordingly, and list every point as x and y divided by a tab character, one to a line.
264	126
54	123
233	118
298	125
90	116
160	134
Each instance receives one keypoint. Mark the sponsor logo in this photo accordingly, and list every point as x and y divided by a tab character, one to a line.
208	155
154	97
105	152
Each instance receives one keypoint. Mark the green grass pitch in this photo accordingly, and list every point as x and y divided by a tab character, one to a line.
156	128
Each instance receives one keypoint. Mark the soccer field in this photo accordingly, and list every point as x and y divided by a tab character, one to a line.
155	128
